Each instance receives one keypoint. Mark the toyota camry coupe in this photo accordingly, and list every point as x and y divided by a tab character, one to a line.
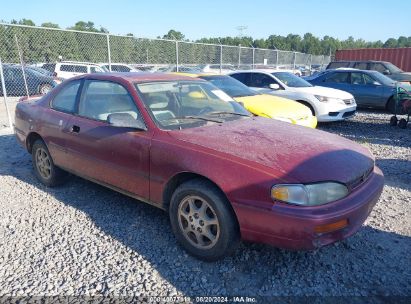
220	173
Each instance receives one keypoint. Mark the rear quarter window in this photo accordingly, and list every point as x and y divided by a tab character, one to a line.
65	100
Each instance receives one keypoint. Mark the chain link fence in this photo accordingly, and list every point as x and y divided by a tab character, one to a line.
35	59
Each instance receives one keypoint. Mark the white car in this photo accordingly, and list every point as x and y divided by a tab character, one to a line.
119	67
68	69
325	103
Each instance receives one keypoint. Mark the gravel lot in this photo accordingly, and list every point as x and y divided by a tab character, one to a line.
83	239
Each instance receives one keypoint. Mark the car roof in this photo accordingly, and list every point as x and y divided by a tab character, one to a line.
359	61
196	75
347	70
136	76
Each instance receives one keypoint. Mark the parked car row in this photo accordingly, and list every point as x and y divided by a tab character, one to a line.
21	81
184	145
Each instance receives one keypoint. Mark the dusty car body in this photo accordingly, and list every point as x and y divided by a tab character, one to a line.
234	172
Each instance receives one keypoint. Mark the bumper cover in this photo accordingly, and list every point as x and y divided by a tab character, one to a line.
292	227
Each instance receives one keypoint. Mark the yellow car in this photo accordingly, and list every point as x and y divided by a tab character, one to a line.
261	104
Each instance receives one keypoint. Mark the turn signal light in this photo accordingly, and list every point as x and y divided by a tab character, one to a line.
331	227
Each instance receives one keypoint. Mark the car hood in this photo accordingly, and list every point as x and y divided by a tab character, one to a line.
401	76
289	152
273	106
323	91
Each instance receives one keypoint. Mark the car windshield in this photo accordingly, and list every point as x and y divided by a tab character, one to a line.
291	80
382	78
231	86
188	104
393	68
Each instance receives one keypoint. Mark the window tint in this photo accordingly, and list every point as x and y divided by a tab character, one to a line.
361	65
368	79
13	74
67	68
356	78
362	79
119	68
378	67
259	80
338	64
102	98
49	67
338	78
80	69
65	100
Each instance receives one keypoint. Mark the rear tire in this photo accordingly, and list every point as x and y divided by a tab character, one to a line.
46	172
203	220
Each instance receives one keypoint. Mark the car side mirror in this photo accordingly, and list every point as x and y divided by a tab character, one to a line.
125	120
386	72
376	83
274	86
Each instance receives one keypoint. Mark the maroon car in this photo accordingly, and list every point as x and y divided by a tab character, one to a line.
184	146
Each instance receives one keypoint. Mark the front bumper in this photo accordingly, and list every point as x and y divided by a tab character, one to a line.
333	114
293	227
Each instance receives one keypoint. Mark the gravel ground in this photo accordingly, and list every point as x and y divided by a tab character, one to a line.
83	239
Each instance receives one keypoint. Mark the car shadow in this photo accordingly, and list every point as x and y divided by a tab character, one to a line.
354	265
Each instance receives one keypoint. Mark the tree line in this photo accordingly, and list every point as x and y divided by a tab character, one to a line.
39	45
308	43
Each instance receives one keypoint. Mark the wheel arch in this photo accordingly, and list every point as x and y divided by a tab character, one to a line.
31	139
308	104
180	178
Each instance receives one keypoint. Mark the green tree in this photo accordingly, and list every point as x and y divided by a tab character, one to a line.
50	24
174	35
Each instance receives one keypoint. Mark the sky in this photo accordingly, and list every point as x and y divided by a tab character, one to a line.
366	19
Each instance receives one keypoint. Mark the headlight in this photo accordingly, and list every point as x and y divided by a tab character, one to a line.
329	99
310	194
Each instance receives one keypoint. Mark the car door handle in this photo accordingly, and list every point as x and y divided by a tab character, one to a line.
75	129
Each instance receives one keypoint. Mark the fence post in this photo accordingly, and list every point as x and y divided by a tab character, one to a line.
176	55
22	66
276	58
221	59
108	52
253	57
239	55
3	85
311	63
294	58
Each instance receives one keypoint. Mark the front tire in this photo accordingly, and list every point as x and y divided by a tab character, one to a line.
203	220
46	172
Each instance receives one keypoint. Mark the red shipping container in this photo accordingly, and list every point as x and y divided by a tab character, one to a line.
401	57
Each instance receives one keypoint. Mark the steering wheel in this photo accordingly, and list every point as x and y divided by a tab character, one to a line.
205	110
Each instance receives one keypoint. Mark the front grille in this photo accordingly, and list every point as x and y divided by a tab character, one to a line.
358	181
348	114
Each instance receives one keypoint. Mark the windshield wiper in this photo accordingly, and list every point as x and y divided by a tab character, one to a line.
197	117
227	113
